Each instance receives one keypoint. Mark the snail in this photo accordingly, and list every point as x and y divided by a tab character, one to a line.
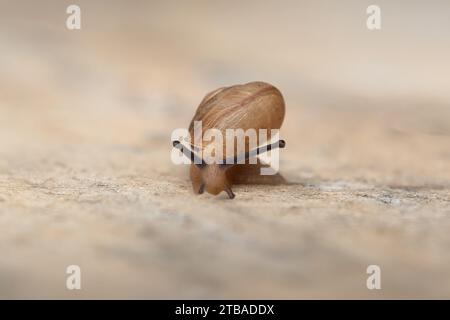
255	106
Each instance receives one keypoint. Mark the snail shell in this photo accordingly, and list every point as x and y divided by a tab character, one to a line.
255	105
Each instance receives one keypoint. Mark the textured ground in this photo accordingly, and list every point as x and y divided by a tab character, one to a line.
86	176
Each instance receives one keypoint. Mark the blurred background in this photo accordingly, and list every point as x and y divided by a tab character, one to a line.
85	171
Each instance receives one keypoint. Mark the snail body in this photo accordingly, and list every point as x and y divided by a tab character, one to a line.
255	106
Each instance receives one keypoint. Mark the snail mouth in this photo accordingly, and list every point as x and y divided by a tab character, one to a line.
215	191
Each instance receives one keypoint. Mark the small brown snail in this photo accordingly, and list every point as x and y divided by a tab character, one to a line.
255	106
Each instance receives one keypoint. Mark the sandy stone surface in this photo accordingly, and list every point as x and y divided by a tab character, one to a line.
86	176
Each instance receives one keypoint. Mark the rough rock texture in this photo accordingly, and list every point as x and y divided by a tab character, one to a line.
86	176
